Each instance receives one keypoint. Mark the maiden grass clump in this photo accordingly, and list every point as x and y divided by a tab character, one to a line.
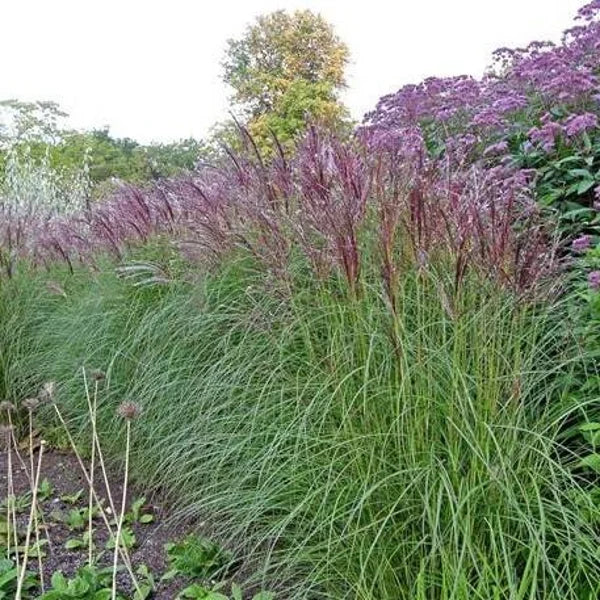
348	450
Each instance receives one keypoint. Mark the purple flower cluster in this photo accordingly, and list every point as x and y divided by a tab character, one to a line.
575	125
581	244
522	87
594	280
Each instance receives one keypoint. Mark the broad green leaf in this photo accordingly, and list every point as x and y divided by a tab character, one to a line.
591	426
591	461
236	591
58	581
585	186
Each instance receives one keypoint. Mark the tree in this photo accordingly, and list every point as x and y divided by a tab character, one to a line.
287	69
35	132
38	121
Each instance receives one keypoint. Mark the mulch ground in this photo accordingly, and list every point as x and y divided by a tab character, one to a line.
66	479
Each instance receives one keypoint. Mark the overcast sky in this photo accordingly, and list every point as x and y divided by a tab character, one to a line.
151	68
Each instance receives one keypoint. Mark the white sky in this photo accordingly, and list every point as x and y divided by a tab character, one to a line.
151	68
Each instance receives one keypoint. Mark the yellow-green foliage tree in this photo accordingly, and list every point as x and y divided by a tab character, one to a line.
285	71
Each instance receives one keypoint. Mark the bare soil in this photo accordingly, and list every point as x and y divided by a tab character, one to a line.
66	479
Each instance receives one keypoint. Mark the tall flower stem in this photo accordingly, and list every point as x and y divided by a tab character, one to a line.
92	406
123	551
9	493
30	407
30	524
122	514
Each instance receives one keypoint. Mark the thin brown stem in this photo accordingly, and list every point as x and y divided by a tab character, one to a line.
101	509
122	514
93	408
30	525
34	502
12	509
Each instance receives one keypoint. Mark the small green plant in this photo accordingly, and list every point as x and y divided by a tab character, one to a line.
196	557
9	575
72	498
76	519
200	592
90	583
45	490
126	539
139	512
78	542
20	503
146	583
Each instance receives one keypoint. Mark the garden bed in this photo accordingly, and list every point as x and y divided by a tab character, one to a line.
155	547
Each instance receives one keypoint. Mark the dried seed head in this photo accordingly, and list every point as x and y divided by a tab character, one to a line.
47	392
6	434
7	406
31	404
129	410
98	375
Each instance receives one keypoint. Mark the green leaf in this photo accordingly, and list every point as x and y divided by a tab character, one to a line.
6	565
580	173
79	586
8	576
59	582
73	544
145	590
127	539
73	498
194	591
45	489
171	574
75	519
585	185
200	592
591	461
577	212
236	592
568	159
146	519
136	507
591	426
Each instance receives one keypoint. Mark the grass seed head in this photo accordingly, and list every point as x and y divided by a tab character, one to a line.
48	392
7	406
6	434
98	375
31	404
129	410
